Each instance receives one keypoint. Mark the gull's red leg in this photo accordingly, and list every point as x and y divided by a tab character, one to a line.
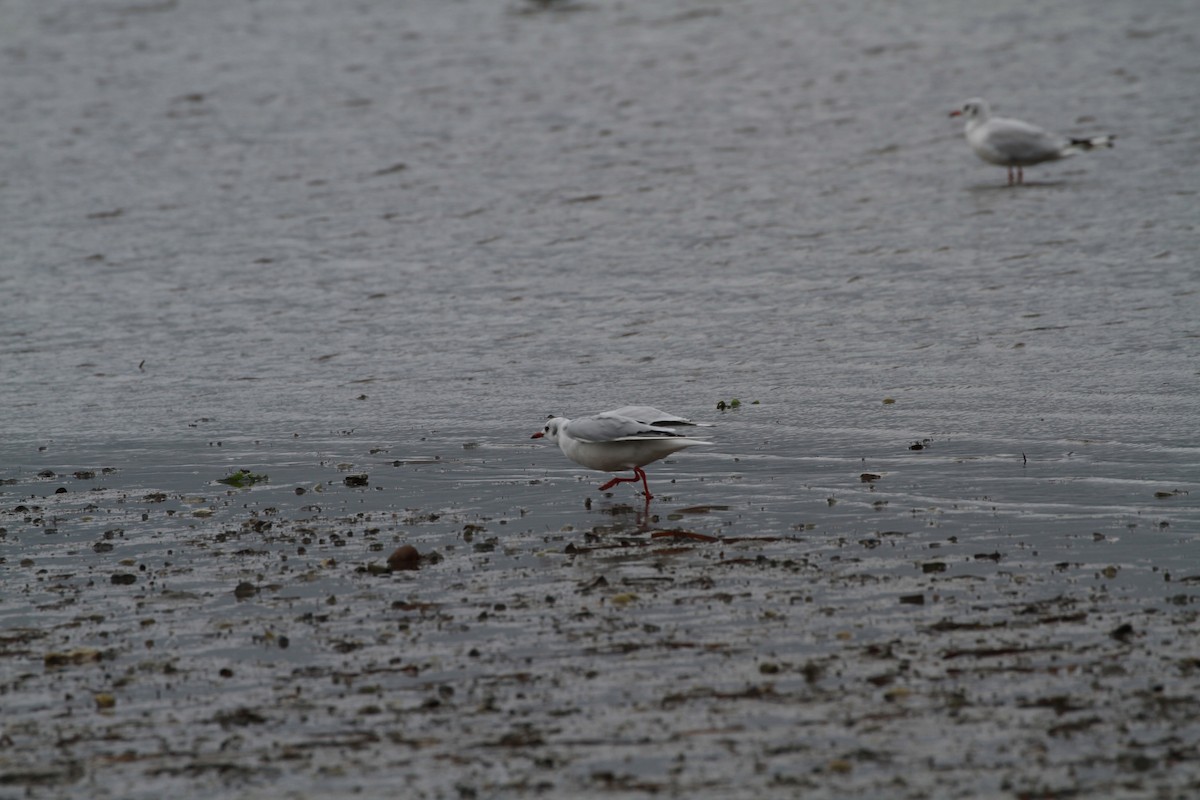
642	473
1021	175
638	475
617	480
1010	175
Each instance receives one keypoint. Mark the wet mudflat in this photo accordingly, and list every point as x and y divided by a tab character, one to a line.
835	639
945	545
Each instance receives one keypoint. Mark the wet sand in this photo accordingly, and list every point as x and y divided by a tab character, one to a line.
555	641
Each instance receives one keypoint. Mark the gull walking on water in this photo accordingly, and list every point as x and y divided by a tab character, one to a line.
612	441
1013	143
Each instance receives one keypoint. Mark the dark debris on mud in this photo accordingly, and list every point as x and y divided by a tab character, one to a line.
243	640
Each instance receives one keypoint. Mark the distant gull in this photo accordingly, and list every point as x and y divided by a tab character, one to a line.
612	441
1013	143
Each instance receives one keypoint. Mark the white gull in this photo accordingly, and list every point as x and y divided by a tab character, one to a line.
612	442
1013	143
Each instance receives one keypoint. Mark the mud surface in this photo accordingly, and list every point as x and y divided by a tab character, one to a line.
945	546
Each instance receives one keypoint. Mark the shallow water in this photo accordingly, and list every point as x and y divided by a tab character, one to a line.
387	241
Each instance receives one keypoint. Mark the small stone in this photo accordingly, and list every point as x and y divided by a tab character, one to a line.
80	655
404	557
1122	633
238	717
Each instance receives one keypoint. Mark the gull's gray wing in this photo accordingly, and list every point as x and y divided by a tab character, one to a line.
1021	141
655	417
610	427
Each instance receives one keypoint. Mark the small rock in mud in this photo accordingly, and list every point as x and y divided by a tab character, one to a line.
239	717
355	480
1122	633
80	655
123	578
404	557
244	590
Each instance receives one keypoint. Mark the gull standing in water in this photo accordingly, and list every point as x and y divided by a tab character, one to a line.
611	442
1013	143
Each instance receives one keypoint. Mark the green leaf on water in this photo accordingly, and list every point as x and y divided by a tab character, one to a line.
242	478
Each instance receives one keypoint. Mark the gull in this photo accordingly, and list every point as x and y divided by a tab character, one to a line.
1013	143
611	442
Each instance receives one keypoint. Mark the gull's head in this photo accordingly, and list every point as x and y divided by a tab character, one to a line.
550	429
973	109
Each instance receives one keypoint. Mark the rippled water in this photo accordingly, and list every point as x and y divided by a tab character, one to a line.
314	240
